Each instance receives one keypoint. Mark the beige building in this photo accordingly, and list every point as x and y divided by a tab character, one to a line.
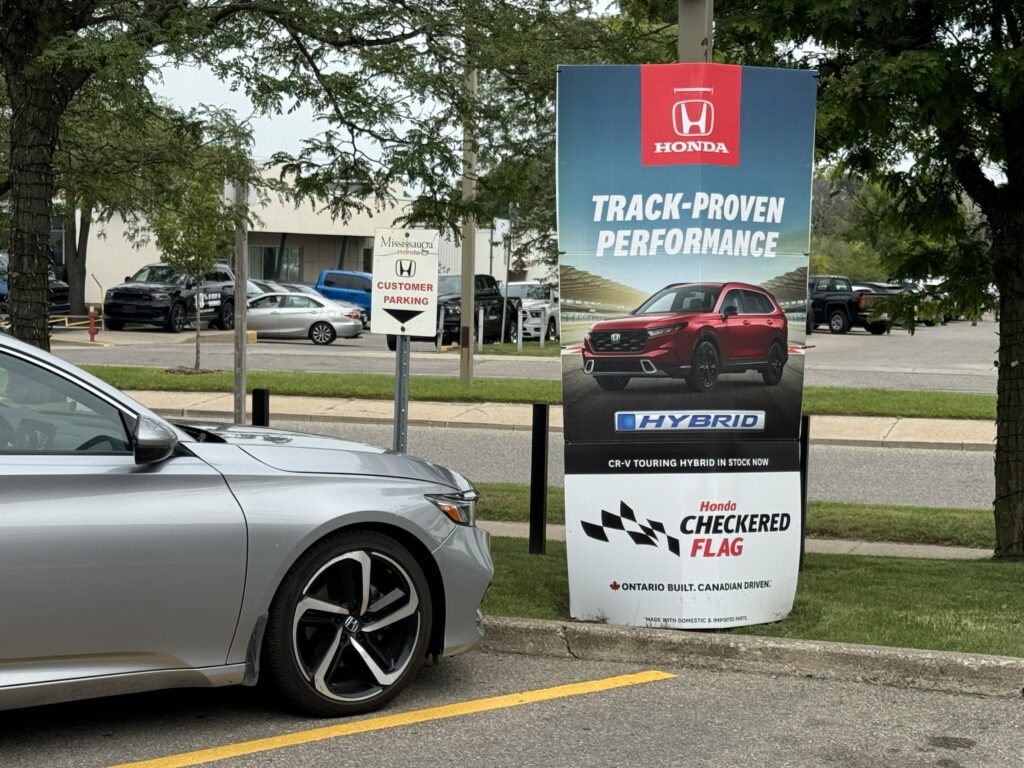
289	243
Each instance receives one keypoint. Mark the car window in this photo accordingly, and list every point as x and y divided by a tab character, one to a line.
361	284
732	299
265	302
295	302
821	285
843	285
42	412
757	303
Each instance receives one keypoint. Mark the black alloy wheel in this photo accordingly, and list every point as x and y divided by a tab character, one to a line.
772	373
226	318
322	333
349	626
705	369
175	322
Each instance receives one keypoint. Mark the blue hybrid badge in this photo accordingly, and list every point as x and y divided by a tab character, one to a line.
682	421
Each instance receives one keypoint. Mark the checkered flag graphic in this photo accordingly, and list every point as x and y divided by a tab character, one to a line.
642	535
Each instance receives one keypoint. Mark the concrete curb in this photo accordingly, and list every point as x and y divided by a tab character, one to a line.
944	671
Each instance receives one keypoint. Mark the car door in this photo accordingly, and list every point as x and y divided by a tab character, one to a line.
761	323
106	567
296	316
731	339
263	315
491	302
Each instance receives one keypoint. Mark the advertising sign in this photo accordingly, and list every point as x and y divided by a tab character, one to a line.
403	301
684	196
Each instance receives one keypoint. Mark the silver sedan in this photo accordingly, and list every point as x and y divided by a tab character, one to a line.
138	554
300	316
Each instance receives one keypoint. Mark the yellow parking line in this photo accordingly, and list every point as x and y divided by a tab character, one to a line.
394	721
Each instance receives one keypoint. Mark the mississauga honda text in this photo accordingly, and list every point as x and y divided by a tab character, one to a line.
141	554
691	331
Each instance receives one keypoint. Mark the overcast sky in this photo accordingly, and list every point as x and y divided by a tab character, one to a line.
190	87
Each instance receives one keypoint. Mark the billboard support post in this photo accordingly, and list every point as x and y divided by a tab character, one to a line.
401	436
805	450
539	480
695	40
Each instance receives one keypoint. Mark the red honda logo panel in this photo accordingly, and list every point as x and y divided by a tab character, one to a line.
690	114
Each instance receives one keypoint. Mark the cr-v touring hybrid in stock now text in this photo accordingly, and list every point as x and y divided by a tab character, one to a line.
694	331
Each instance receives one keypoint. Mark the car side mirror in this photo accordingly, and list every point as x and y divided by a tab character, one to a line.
152	441
730	311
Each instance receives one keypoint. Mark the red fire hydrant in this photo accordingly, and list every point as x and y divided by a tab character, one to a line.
92	323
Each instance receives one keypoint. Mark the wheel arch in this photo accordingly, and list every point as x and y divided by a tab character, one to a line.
416	548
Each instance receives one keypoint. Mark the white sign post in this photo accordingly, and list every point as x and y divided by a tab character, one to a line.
403	303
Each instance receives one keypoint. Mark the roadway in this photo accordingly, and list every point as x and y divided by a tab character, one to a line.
692	718
957	357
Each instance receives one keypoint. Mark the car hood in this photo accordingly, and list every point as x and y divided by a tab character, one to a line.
145	287
536	303
643	322
314	454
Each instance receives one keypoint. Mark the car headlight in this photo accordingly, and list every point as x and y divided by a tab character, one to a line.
453	309
161	297
665	329
458	507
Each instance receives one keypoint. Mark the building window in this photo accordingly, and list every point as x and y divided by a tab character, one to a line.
266	264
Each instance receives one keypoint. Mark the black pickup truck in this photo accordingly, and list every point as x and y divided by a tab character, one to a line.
836	303
486	295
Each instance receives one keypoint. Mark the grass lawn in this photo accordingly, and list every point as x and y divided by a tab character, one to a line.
949	605
817	400
530	349
825	519
337	385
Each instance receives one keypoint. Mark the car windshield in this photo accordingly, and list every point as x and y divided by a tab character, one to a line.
538	292
681	298
449	284
520	291
158	273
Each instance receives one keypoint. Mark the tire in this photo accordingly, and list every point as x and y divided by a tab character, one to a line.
226	316
322	333
876	329
552	331
114	325
392	343
705	367
838	322
511	330
772	373
318	652
175	322
612	383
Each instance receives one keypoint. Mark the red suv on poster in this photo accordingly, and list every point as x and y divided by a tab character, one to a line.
692	331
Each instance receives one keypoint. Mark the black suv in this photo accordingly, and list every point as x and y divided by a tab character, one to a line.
60	302
158	295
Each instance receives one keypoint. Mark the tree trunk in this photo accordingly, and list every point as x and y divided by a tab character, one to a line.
1008	265
76	243
33	141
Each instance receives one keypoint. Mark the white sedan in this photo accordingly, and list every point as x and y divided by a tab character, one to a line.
300	316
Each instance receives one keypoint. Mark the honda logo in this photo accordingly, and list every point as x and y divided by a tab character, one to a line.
405	267
616	338
693	116
352	624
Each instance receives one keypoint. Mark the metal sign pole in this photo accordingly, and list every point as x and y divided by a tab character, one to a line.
241	302
401	441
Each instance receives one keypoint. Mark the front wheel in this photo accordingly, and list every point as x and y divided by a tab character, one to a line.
114	325
704	372
511	330
772	373
349	626
552	331
392	342
838	322
877	329
175	319
226	316
322	333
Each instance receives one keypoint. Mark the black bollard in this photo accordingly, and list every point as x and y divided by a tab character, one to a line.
539	480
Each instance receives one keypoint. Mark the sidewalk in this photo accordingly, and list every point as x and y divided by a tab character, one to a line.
817	546
885	432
